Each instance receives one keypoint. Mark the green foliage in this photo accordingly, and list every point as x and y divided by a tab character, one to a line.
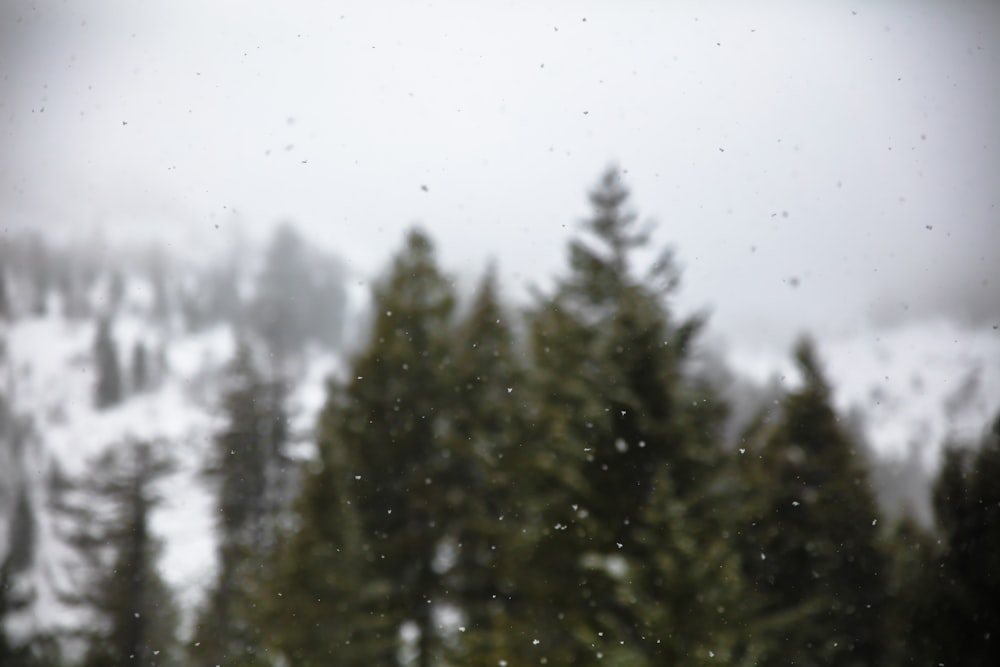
957	617
632	443
133	609
565	498
487	516
811	545
911	550
252	470
383	459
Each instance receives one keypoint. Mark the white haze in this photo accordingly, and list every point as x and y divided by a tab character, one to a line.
826	166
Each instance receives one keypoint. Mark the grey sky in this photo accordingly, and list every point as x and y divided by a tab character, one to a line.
850	146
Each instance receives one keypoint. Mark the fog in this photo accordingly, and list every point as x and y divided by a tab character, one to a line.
834	161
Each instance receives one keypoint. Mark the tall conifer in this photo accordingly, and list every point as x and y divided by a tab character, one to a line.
108	390
811	543
132	609
631	449
490	520
955	620
250	466
380	495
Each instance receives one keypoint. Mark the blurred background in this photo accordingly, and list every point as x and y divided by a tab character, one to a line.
497	333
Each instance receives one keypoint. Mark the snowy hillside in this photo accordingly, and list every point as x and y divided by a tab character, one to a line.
906	382
172	330
915	386
53	376
911	389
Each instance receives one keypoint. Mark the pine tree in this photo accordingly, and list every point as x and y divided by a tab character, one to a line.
487	517
957	617
911	551
251	466
116	291
631	446
323	601
40	273
299	296
380	496
108	390
811	542
140	368
392	425
15	595
136	618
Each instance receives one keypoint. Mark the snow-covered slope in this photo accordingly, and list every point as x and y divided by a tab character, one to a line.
52	376
915	386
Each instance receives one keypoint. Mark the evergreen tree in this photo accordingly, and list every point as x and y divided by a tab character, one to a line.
108	390
299	296
15	595
22	534
487	517
956	620
323	601
911	551
140	368
40	273
5	307
630	447
116	291
136	618
251	467
384	479
392	427
811	544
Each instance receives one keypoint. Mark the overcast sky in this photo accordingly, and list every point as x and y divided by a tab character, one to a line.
852	146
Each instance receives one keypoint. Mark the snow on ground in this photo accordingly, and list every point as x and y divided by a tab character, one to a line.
51	379
53	382
918	386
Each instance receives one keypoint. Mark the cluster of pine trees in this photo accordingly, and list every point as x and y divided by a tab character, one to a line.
492	489
549	487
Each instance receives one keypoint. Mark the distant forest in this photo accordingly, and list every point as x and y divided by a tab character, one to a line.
558	484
